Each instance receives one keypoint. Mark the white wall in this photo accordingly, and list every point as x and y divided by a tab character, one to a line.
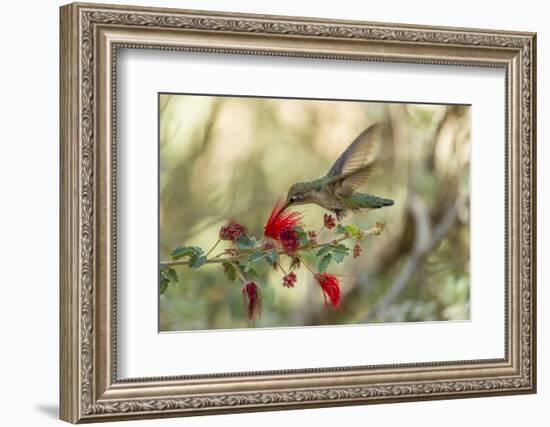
29	169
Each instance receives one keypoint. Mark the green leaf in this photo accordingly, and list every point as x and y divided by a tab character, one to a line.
298	229
350	229
245	242
256	255
163	286
183	251
353	230
244	265
340	229
271	257
230	271
339	252
323	264
324	250
167	276
197	261
245	269
172	275
302	235
340	247
338	256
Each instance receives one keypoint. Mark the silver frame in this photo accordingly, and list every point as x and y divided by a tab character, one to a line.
90	37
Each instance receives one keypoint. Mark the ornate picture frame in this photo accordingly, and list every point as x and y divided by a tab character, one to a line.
90	37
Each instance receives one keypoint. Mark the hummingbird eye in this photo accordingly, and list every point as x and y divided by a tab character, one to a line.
292	199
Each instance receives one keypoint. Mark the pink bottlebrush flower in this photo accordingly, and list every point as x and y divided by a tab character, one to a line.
356	251
289	280
279	221
329	221
251	299
232	230
330	286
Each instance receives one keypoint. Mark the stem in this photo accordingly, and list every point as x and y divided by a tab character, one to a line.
213	247
218	259
281	268
307	266
241	276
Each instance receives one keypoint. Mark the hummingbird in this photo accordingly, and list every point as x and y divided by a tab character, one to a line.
337	190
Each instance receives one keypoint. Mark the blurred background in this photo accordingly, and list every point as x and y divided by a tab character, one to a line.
233	157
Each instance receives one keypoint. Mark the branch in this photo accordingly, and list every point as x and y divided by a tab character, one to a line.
426	240
220	259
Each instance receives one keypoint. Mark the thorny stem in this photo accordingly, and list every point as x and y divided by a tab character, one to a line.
219	259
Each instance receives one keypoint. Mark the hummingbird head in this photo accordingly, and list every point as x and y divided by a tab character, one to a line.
298	194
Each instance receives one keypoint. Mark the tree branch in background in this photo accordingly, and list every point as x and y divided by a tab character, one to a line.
426	239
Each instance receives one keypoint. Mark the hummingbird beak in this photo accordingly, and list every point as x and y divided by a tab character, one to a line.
286	205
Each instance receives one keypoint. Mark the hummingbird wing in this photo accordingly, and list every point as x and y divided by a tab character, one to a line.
356	156
351	183
354	166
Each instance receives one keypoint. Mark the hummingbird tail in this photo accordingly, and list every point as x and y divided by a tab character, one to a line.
367	201
380	202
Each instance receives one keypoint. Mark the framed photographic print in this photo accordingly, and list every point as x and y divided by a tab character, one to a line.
265	212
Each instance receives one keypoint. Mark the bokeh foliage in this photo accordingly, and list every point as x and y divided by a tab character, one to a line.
233	157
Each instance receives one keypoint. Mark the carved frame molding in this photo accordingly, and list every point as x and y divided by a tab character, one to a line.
90	37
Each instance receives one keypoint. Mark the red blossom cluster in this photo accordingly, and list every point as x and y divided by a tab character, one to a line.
331	287
285	236
281	226
283	232
232	230
251	299
289	280
289	239
329	221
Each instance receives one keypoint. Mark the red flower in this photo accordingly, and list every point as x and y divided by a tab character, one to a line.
232	230
290	240
279	221
329	221
330	286
289	280
251	299
356	250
